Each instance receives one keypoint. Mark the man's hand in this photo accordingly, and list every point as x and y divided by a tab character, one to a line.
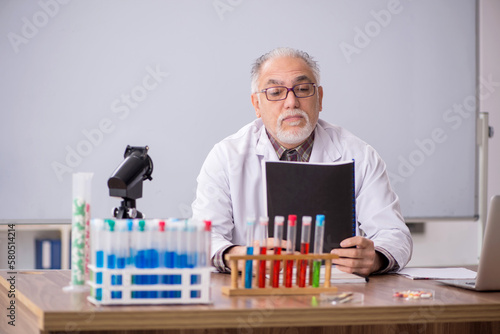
361	260
236	250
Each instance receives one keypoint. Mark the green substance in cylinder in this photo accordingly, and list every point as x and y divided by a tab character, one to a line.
78	242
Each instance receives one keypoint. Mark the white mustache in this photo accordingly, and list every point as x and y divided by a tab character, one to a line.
292	113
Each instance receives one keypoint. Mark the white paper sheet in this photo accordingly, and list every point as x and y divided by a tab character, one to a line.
438	273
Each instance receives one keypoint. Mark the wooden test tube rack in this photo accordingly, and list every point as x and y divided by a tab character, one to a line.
240	290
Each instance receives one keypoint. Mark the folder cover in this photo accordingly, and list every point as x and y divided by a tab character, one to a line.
309	189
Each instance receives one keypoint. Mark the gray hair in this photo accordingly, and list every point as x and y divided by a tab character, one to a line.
277	53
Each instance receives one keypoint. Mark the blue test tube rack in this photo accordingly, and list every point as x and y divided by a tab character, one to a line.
149	283
188	291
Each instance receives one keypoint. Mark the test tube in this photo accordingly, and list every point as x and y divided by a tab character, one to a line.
278	238
162	243
318	248
132	252
163	253
201	257
140	258
131	244
97	246
263	235
153	233
98	243
121	250
123	244
196	246
181	245
290	248
171	246
192	238
207	234
305	238
152	254
249	263
110	244
180	256
171	254
111	250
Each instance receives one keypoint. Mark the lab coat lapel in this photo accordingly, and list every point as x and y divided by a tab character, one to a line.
324	149
264	147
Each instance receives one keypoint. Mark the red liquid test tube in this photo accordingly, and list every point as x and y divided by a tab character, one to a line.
290	249
305	238
278	237
263	234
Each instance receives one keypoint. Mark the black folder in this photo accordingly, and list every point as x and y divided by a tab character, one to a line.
309	189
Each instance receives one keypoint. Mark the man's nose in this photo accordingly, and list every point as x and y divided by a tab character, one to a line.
291	101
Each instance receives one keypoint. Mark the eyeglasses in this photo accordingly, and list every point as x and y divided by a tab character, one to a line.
278	93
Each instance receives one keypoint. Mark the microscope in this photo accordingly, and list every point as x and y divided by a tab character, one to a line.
126	181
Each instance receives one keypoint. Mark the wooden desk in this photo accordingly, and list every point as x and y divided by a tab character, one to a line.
42	307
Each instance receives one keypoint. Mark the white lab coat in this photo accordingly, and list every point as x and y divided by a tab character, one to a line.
230	186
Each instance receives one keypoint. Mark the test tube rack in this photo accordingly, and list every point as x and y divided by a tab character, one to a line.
192	286
239	290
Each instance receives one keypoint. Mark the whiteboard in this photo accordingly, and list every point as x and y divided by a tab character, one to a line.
81	80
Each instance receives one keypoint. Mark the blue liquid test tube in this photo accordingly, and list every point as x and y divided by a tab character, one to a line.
207	235
249	263
123	244
171	246
170	255
194	230
121	251
98	251
200	244
98	245
162	254
162	241
111	252
152	254
131	244
180	254
182	244
131	253
192	243
140	258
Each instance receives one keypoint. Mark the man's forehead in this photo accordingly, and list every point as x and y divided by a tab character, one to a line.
300	78
277	71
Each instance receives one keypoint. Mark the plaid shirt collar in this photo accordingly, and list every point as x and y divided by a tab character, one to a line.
303	150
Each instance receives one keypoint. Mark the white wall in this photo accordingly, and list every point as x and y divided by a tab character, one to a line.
456	243
81	80
443	243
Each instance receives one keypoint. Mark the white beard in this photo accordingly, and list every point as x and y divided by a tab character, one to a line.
297	135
